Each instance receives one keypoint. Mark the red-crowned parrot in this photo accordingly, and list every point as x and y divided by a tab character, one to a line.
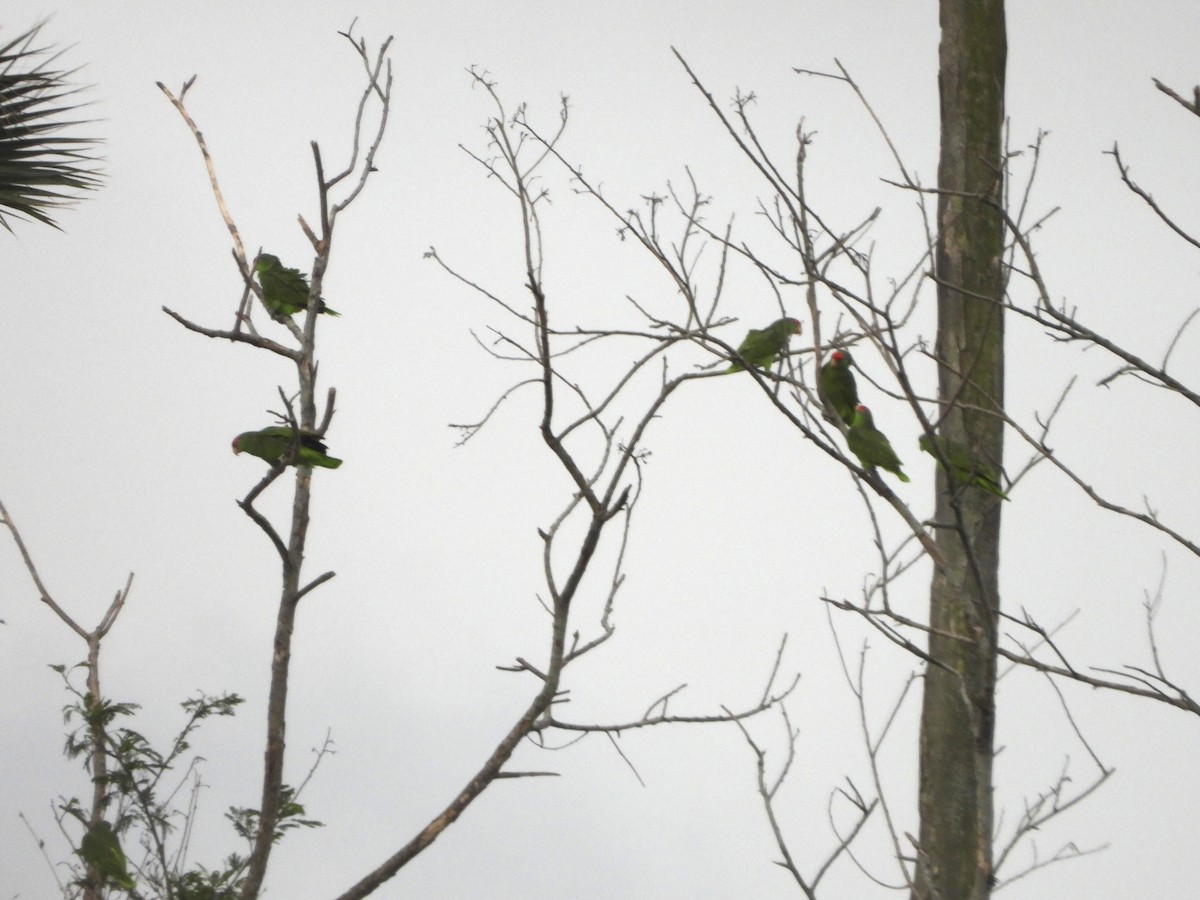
271	444
761	346
285	291
835	385
966	468
101	850
871	445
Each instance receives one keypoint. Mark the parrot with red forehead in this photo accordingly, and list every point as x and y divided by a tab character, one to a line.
762	346
835	385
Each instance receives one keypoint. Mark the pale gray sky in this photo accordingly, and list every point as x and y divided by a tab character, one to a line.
116	427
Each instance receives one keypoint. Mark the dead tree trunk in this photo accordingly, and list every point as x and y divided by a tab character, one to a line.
958	716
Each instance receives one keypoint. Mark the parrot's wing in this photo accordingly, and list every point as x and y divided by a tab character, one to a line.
101	850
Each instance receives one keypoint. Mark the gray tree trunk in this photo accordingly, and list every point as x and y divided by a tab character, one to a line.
958	715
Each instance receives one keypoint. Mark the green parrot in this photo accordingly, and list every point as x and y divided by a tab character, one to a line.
966	468
285	291
762	346
271	443
101	850
835	385
871	445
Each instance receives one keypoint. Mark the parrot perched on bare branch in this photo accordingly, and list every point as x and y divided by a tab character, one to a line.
270	444
284	290
871	445
835	385
966	468
762	346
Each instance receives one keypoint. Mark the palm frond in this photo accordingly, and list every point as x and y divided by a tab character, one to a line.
42	166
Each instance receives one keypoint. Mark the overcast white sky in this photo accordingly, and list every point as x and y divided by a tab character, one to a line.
116	427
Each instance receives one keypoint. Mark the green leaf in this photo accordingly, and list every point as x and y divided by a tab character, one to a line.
42	167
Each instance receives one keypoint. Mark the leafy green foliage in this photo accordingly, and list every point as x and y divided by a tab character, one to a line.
291	816
42	167
202	884
133	777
